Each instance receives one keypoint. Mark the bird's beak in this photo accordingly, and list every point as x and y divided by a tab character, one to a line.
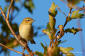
33	20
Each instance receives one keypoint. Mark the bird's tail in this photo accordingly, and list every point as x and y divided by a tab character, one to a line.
32	41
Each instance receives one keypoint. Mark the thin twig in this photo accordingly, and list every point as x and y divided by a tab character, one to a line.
70	12
64	24
10	48
2	13
50	43
9	9
82	8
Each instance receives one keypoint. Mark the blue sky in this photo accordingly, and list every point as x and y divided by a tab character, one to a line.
40	15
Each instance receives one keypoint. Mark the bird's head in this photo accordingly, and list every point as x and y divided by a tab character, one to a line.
28	20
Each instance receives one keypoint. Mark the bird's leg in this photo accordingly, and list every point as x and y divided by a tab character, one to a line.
23	51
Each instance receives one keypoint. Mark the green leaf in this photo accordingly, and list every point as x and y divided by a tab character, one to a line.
46	31
28	4
42	45
58	8
73	3
45	48
5	9
52	10
53	6
16	8
39	53
66	51
48	27
73	30
12	43
61	42
49	33
77	15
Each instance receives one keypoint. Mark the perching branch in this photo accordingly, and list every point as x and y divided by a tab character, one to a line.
24	44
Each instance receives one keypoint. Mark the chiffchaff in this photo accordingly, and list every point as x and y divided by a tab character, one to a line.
26	29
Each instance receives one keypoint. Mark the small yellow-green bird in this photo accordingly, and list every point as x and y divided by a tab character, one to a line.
26	29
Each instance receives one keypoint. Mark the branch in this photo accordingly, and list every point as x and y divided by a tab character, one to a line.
24	44
70	12
57	35
2	13
82	8
9	9
10	48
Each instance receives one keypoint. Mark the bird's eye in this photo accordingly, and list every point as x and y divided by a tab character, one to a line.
27	20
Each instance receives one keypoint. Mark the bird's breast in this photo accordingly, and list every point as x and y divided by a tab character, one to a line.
24	31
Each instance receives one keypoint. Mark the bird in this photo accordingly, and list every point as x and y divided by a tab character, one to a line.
26	30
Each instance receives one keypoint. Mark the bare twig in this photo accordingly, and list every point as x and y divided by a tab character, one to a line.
24	44
70	12
50	43
68	17
10	48
9	9
63	26
2	13
82	8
